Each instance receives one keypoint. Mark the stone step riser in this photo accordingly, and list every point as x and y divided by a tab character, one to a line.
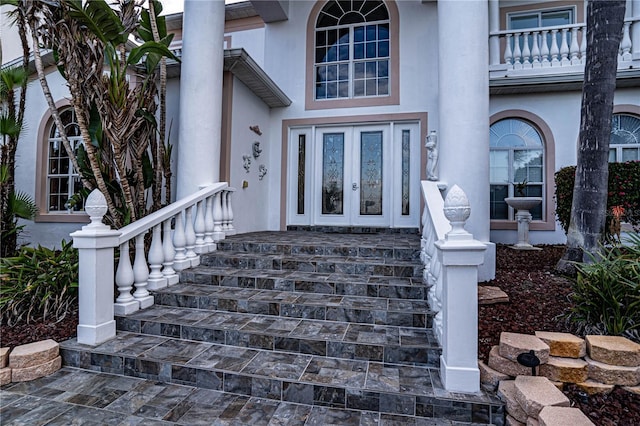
333	251
300	378
424	355
320	266
384	288
382	316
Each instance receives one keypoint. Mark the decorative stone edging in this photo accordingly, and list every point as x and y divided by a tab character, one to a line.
29	362
596	364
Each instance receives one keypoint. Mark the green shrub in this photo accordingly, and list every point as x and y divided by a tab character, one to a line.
38	283
606	293
624	181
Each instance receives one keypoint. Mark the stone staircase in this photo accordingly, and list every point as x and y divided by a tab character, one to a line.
330	319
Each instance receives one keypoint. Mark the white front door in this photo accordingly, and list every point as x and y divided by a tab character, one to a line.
358	175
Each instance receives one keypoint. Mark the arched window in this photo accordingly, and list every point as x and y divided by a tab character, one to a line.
352	50
625	138
516	165
62	180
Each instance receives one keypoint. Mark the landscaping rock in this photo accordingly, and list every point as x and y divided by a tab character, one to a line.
632	389
532	421
490	377
560	369
613	374
513	344
563	344
563	416
591	387
505	366
534	393
614	350
489	295
510	421
31	373
5	376
33	354
507	392
4	357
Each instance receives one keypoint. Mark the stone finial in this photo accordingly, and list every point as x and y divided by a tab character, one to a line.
96	208
457	210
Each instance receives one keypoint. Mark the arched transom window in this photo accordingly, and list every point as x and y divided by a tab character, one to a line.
625	138
62	180
516	165
352	50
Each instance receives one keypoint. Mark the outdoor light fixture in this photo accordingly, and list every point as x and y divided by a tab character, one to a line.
529	359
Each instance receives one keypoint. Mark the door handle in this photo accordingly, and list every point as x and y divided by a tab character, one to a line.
354	186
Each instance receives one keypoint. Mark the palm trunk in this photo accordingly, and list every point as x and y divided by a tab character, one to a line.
588	211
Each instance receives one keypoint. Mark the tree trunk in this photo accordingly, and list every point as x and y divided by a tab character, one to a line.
588	211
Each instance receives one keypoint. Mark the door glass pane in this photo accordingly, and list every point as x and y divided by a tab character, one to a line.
371	173
405	171
332	173
301	171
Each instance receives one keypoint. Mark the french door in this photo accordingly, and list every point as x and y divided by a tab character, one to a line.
358	175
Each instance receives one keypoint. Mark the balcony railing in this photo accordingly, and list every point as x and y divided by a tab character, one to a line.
553	49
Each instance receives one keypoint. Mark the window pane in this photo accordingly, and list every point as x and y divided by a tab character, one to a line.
344	53
534	191
383	32
321	55
358	34
358	88
371	50
498	208
383	68
612	155
498	166
332	90
343	89
557	18
523	21
371	69
358	51
358	70
383	86
383	48
630	154
527	165
371	88
372	31
321	38
343	72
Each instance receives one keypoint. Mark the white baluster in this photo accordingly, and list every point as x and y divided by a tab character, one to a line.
141	274
190	235
575	48
508	54
208	226
517	53
198	227
625	45
169	254
217	218
225	212
535	50
583	45
545	48
564	48
526	52
125	303
180	242
230	229
156	280
554	48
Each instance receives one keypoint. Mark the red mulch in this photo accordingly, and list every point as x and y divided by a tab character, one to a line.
537	298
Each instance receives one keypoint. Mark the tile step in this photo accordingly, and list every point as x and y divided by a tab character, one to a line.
314	263
382	343
353	309
309	282
282	376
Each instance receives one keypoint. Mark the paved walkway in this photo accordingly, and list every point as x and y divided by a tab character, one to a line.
79	397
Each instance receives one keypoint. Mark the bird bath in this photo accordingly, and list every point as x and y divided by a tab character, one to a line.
522	205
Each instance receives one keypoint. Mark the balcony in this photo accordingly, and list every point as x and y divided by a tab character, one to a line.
553	58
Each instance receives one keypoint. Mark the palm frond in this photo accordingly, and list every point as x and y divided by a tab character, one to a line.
22	205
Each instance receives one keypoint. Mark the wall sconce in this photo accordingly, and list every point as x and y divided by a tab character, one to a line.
256	149
246	159
262	170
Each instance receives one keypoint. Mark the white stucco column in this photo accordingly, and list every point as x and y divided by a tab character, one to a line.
463	101
200	95
634	6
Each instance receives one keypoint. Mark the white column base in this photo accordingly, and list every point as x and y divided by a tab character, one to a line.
173	280
156	284
145	302
459	379
180	265
195	261
95	335
126	308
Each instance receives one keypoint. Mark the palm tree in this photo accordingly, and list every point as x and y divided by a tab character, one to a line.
588	211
